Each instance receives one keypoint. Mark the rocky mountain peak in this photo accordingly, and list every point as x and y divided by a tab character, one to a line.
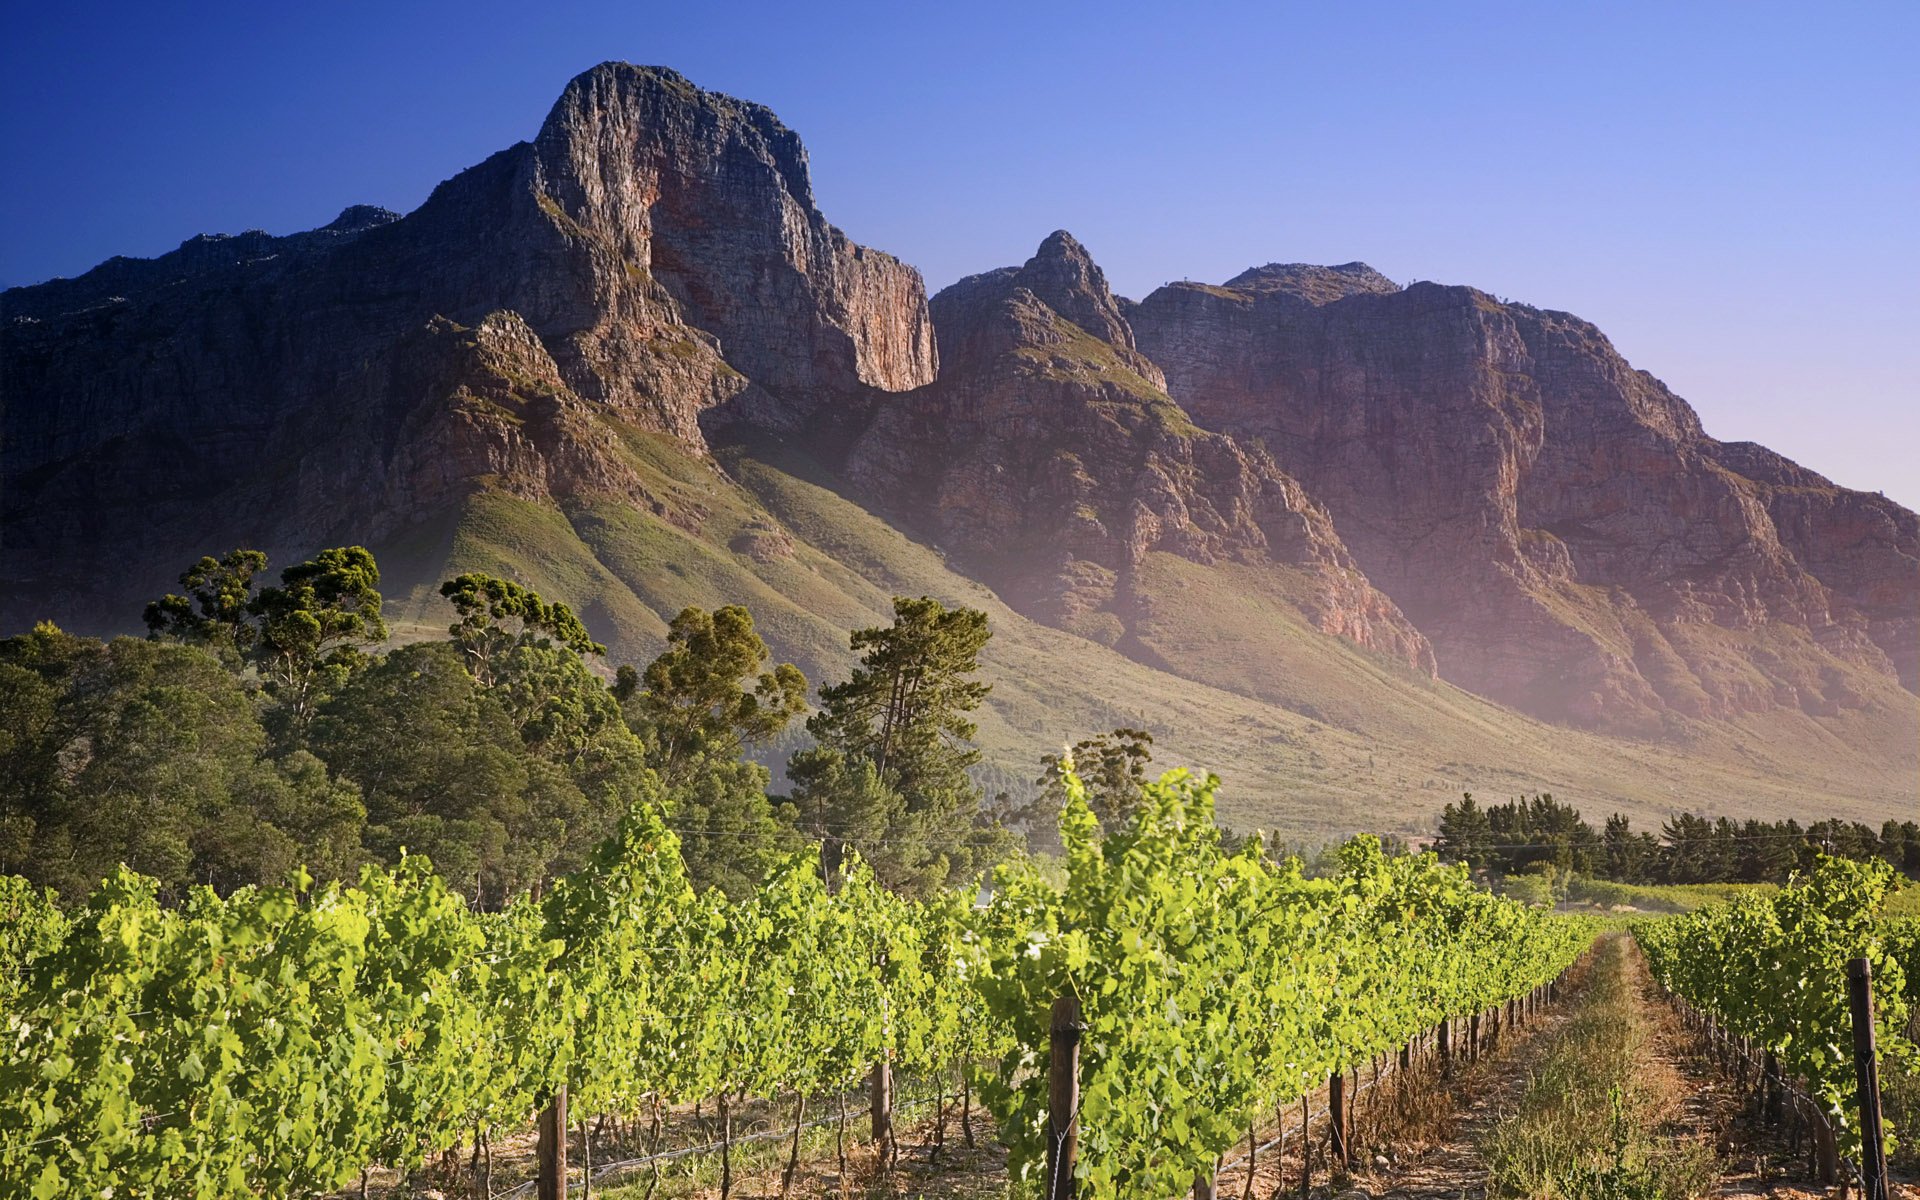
650	261
1055	310
1314	284
1066	279
709	199
356	217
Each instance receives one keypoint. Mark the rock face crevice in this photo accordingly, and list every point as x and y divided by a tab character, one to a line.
1556	521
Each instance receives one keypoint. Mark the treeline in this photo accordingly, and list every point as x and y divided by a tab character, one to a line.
1538	834
261	727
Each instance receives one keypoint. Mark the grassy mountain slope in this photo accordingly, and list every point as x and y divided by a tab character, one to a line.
1313	735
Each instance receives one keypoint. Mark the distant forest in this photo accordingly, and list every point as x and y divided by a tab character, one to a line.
1531	834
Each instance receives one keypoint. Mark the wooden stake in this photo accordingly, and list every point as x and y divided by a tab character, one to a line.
1063	1098
1337	1116
550	1151
793	1156
1204	1187
1866	1072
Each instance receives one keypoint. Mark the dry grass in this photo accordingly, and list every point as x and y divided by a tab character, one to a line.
1599	1113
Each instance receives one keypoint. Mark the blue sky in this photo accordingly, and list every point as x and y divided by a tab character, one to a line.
1731	191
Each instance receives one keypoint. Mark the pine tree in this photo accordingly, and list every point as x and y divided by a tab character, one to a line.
889	775
1465	833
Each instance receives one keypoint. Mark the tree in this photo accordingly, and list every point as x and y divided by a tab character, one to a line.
562	710
313	626
905	708
447	770
708	696
900	727
151	753
499	614
1692	854
215	610
697	707
1112	767
730	833
1465	834
1626	856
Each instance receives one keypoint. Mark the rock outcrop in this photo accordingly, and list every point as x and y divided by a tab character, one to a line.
1556	521
652	256
1049	458
1446	479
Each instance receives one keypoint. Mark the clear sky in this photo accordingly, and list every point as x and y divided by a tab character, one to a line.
1731	191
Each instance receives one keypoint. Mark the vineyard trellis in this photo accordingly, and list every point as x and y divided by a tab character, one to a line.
1764	979
279	1039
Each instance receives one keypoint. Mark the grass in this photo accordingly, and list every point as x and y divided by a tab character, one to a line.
1659	898
1314	736
1591	1124
1080	357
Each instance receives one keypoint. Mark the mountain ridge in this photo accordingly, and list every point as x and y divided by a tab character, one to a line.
597	360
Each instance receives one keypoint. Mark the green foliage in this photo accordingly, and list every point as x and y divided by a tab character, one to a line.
692	701
501	787
313	626
906	707
151	754
1111	766
889	775
1772	967
1212	983
730	832
217	604
269	1043
274	1041
697	707
1509	838
31	926
498	615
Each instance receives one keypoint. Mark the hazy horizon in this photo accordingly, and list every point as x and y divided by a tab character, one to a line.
1720	190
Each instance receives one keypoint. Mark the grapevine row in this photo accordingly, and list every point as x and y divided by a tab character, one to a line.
1772	968
277	1040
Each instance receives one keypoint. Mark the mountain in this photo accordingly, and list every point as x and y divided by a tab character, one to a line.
1555	521
1049	460
1354	546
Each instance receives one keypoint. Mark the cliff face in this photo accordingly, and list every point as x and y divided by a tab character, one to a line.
1555	521
553	337
653	255
1049	457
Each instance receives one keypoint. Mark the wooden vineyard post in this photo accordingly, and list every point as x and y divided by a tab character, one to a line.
1770	1108
1353	1115
1306	1150
1826	1154
880	1107
881	1097
1206	1186
1446	1046
1337	1115
1063	1098
1866	1071
1253	1159
550	1153
1473	1038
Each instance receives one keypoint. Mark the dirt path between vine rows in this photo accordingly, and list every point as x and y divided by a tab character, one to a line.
1417	1137
1439	1155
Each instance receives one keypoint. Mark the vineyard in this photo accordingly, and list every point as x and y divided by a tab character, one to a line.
278	1040
1763	977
